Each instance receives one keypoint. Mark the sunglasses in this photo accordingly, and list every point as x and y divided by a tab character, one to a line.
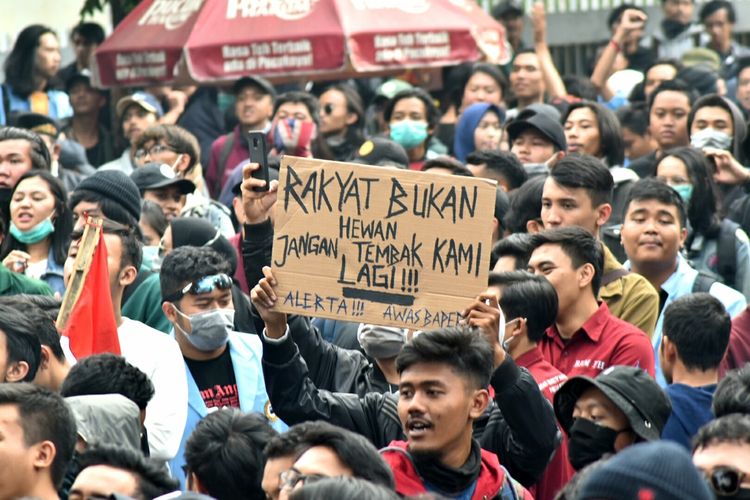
206	284
725	480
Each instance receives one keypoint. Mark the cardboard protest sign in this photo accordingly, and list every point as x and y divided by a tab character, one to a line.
379	245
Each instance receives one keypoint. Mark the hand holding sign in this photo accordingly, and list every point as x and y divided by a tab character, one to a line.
484	313
264	298
256	204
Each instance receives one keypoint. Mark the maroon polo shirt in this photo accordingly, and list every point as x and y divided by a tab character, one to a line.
559	471
738	350
603	341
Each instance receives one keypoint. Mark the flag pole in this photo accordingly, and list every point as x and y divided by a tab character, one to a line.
81	266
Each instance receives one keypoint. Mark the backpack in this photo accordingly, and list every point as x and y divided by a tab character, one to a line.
726	251
703	283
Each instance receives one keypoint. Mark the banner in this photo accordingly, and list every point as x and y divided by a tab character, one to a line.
380	245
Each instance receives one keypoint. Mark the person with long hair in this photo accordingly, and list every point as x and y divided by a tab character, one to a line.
40	226
30	71
715	246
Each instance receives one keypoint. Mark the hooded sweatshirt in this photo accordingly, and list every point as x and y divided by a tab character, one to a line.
463	140
107	419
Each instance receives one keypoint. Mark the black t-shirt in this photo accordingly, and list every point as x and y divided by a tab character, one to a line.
216	381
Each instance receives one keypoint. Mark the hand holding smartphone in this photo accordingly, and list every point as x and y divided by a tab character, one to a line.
259	154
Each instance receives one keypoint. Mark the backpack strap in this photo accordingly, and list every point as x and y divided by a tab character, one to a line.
726	251
226	150
703	283
613	275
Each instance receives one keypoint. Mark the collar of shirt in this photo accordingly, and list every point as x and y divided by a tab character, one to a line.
593	327
530	358
681	279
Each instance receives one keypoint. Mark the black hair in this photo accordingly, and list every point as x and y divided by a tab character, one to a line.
354	450
502	203
701	78
63	224
611	147
653	189
288	444
516	245
354	102
21	343
461	348
177	138
675	85
455	166
501	164
701	210
91	32
525	295
152	478
132	253
108	374
44	416
185	264
580	86
710	101
699	327
42	322
579	245
342	487
732	394
40	157
225	452
110	208
585	172
431	111
733	429
710	8
634	118
616	14
742	63
296	96
20	64
525	204
490	70
153	215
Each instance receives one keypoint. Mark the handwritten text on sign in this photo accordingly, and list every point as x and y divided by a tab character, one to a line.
379	245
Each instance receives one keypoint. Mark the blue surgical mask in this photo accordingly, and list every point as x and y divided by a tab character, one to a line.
33	235
685	191
209	329
151	258
409	133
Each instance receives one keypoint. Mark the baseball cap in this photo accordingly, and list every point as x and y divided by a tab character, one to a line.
142	99
507	7
37	123
254	81
542	123
702	55
381	152
390	88
159	175
80	76
632	391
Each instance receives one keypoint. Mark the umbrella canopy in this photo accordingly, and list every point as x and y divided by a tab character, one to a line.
219	40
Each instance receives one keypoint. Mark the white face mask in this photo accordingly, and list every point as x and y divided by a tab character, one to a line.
209	329
506	342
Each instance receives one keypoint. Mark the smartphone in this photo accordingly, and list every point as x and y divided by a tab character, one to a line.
256	142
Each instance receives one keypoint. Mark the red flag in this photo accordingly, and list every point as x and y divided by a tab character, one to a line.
91	326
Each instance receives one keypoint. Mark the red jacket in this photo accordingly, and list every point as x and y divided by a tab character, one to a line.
490	482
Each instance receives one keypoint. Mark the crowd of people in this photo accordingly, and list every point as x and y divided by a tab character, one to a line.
606	358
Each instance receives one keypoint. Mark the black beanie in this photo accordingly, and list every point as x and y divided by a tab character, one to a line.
116	186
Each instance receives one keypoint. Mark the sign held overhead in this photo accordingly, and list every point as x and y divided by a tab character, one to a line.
378	245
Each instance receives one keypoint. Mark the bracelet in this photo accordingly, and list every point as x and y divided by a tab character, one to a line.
615	45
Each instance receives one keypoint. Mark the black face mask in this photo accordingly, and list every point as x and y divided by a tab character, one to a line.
589	442
742	494
673	28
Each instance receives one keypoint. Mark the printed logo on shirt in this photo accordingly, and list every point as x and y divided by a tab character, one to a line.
553	383
268	412
596	364
220	396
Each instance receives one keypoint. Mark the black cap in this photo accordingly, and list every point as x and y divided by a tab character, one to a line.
632	391
37	123
159	175
507	7
83	76
382	152
254	81
549	128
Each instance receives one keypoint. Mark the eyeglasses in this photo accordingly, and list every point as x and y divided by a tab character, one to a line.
328	109
291	478
152	151
206	284
725	480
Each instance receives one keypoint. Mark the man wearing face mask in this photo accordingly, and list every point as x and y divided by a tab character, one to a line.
623	405
677	33
223	367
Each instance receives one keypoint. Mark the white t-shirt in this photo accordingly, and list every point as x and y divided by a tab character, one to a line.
158	356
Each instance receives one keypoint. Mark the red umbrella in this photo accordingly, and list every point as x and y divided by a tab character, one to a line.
216	40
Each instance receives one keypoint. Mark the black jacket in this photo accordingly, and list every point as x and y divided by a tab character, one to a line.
519	426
